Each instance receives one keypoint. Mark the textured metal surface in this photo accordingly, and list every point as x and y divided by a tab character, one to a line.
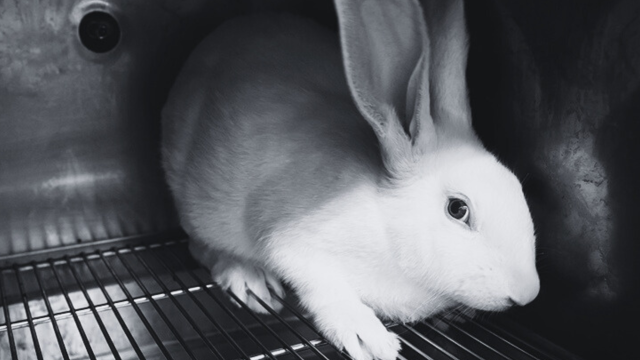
555	86
151	302
79	157
78	140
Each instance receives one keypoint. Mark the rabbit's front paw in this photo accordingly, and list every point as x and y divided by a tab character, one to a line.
360	333
239	278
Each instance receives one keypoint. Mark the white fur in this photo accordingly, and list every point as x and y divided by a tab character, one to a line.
284	168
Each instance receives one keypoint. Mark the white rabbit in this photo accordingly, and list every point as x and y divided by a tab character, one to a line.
369	194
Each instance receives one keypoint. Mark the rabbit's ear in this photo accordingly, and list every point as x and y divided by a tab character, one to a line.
449	48
386	57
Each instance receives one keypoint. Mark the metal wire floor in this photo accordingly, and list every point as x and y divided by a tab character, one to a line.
153	302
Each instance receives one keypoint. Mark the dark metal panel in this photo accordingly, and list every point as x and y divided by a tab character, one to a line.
555	87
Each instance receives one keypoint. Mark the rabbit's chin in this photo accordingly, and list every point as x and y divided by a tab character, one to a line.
451	309
409	309
481	303
430	305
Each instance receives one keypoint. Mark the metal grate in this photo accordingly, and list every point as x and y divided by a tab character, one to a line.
152	302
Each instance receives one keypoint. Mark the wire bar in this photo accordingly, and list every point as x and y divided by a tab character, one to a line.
264	325
502	339
283	351
502	335
7	319
204	310
116	312
475	339
54	323
137	309
275	314
103	328
76	319
404	341
224	308
32	327
428	341
182	301
309	325
180	308
450	339
71	258
102	307
155	305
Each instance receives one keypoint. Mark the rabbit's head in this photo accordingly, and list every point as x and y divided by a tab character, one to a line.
460	222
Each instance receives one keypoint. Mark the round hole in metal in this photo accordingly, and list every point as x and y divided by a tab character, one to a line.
99	31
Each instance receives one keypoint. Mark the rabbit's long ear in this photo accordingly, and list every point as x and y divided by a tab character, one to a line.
449	48
385	49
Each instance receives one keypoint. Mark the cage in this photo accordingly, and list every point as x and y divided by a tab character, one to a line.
93	263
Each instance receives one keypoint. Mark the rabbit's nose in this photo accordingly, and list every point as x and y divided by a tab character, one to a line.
525	288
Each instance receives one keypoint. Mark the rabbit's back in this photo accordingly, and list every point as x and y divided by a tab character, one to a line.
260	128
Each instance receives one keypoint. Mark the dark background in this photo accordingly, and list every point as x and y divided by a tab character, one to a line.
555	92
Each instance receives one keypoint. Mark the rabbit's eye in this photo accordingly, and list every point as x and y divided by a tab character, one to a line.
458	210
